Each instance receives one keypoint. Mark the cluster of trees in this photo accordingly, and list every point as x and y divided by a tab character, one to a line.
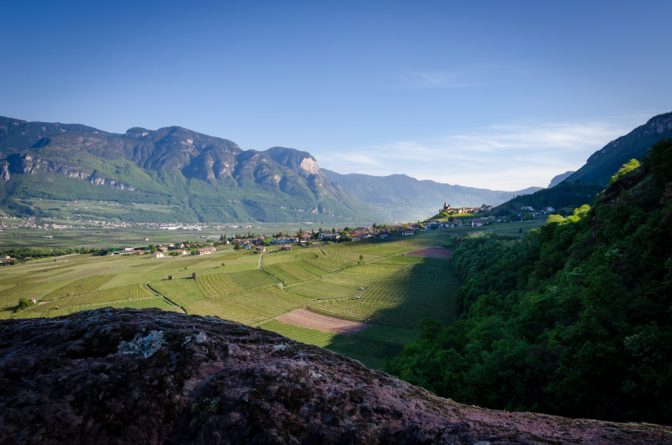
576	216
27	253
575	319
443	214
629	166
564	195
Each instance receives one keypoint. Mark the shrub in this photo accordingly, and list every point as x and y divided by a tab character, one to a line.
632	164
24	303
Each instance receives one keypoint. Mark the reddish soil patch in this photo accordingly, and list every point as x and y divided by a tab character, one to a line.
323	323
433	252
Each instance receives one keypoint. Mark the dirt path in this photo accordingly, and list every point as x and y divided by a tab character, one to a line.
323	323
166	299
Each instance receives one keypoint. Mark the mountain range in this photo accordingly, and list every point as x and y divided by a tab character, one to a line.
175	174
572	189
401	197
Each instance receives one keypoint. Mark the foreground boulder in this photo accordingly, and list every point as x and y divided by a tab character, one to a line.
147	377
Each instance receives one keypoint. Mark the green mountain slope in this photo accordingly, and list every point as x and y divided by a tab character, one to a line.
174	174
575	319
603	163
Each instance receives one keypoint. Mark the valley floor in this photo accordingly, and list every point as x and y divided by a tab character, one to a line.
385	289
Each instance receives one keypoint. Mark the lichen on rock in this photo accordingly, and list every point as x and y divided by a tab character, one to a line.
146	346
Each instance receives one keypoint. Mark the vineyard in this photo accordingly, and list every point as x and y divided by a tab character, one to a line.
378	283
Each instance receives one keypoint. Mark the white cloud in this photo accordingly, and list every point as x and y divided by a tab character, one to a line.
439	79
361	159
502	157
460	77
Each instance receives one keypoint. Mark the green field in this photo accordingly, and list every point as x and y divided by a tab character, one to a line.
371	282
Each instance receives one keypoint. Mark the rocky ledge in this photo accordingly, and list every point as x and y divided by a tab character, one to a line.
128	376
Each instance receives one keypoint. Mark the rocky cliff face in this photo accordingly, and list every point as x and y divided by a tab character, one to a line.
126	376
194	154
198	174
28	164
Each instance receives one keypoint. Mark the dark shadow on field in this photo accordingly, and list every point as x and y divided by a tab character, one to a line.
430	288
371	353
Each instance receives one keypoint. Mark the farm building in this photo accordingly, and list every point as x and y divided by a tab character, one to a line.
206	251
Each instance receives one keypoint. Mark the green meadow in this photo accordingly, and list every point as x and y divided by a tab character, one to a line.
373	282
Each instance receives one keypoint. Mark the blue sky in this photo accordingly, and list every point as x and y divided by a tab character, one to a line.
492	94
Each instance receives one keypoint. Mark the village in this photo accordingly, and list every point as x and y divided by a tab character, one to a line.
447	217
458	217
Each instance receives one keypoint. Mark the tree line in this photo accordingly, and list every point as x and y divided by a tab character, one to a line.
575	319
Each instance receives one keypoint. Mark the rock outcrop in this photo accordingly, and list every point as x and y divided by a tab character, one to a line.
4	172
28	164
128	376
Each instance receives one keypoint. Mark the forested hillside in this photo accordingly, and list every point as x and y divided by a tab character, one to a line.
567	194
576	319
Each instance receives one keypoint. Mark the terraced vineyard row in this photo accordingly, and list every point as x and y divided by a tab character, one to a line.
78	287
215	285
325	290
371	346
250	279
249	307
11	293
126	296
308	336
117	294
145	303
399	295
327	264
294	272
